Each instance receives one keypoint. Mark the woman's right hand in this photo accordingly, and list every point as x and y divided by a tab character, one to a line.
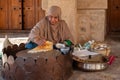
41	42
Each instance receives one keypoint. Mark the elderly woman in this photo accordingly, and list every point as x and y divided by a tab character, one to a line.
51	28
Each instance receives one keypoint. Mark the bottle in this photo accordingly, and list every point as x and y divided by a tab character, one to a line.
87	45
7	42
111	59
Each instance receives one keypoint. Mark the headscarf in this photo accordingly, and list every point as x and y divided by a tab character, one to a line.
54	11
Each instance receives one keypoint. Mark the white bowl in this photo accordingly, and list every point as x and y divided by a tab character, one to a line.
65	50
59	45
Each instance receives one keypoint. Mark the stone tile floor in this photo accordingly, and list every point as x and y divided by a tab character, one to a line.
111	73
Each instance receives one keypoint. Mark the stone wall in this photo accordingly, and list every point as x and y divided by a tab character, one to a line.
86	18
91	24
92	4
91	19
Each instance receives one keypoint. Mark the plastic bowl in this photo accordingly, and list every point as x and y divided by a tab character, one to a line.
59	45
65	50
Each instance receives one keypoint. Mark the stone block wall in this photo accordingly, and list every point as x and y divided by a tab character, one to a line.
92	4
91	24
91	20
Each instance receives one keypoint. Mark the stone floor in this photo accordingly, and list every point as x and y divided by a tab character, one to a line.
111	73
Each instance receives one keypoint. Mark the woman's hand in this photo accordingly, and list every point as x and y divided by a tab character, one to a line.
40	42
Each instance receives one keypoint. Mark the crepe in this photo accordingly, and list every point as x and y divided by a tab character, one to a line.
47	46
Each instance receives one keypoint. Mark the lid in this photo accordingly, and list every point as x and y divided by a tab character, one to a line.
68	42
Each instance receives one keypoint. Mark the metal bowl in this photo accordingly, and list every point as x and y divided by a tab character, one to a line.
96	63
90	66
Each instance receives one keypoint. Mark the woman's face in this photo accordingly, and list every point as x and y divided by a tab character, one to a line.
53	19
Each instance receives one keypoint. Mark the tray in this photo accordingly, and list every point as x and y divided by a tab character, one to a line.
88	65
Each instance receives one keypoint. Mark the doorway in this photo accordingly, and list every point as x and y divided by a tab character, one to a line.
20	14
114	17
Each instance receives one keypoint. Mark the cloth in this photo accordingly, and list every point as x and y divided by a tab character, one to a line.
55	11
54	33
30	45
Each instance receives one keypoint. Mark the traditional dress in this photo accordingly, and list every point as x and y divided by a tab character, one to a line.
54	33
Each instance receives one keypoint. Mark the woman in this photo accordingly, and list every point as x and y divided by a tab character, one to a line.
51	28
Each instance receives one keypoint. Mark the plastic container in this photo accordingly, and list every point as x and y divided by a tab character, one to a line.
65	50
67	42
